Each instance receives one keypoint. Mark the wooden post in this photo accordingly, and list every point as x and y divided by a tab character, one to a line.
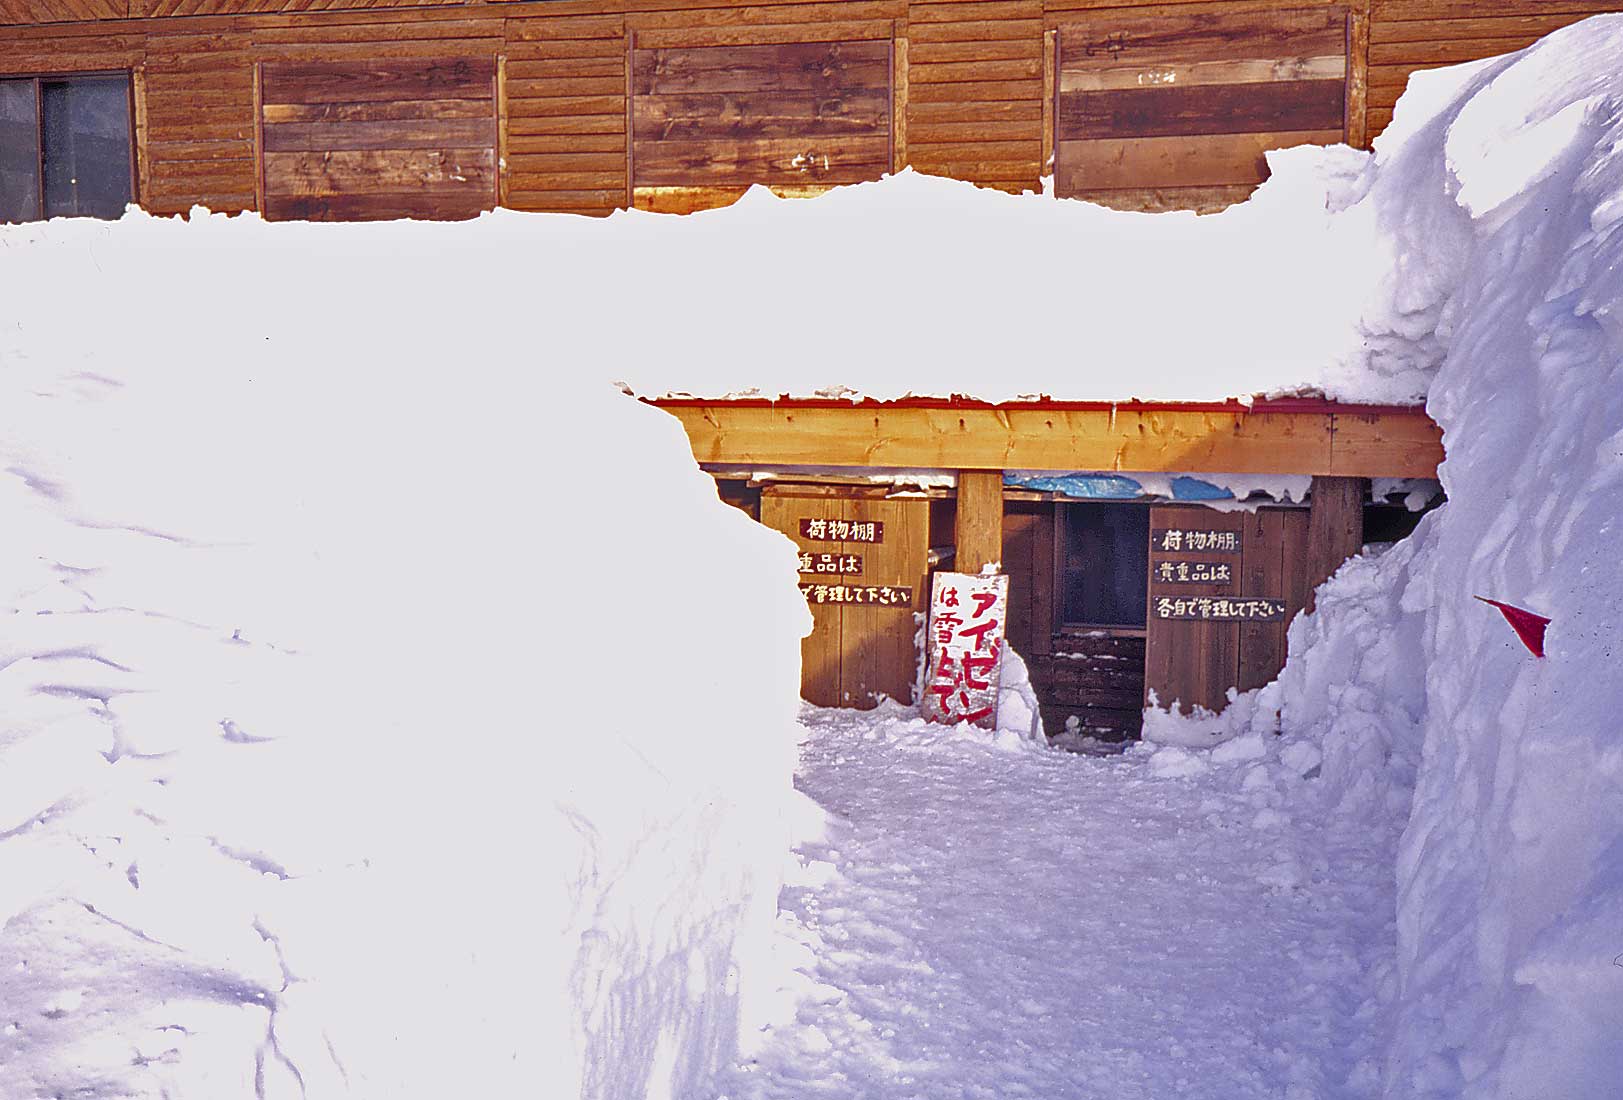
1335	526
980	519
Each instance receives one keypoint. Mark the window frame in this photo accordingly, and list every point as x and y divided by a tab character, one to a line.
39	78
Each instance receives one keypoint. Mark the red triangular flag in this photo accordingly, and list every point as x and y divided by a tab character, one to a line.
1529	627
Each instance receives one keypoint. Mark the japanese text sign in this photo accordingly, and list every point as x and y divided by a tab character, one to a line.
884	595
1223	609
1180	540
1192	572
964	645
849	564
842	530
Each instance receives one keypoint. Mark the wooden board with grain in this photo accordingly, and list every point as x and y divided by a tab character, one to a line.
858	652
1157	103
785	114
381	138
1191	663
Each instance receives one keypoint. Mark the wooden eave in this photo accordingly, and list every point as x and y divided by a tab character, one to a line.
1290	436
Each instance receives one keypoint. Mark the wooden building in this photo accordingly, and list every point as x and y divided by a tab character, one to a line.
377	108
362	109
1110	599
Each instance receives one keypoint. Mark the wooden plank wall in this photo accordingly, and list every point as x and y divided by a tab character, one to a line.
1406	35
974	79
785	114
975	90
1177	109
856	653
1197	662
369	140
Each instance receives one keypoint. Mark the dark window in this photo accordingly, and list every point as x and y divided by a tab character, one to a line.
1107	563
64	147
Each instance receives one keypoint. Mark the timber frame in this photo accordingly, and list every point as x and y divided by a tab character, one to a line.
1268	437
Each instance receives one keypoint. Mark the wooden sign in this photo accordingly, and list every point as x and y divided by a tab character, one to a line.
1220	609
1179	540
1192	572
968	612
842	530
849	564
885	595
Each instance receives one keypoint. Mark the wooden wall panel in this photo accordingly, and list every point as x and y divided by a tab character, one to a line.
1193	663
565	141
975	87
798	114
389	138
878	652
1164	102
819	650
857	652
1408	35
198	103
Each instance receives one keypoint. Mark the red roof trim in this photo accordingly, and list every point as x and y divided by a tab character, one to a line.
1306	405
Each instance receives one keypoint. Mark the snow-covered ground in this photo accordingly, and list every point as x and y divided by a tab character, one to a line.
982	921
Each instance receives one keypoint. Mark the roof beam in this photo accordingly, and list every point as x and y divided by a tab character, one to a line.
1311	438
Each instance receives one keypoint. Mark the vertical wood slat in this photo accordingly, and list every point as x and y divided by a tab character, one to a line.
1194	663
898	97
878	654
1335	525
1262	573
1050	96
1021	562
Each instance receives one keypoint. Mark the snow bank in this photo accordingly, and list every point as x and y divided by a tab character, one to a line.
352	740
1499	192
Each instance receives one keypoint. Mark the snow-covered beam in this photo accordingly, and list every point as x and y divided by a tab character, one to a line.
1278	437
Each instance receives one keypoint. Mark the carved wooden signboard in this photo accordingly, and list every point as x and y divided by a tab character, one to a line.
968	614
1219	609
1193	572
842	530
1182	539
885	595
846	564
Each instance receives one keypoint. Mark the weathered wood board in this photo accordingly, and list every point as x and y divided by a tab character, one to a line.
1169	100
785	114
863	565
382	138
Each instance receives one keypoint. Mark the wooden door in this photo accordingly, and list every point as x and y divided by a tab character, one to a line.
1247	572
863	589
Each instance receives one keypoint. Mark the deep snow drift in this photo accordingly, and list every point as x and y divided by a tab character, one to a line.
1508	212
350	744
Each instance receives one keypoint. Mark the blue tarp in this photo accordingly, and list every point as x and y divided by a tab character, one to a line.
1082	486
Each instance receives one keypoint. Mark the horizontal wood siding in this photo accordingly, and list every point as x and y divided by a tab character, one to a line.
198	93
1170	101
1408	35
363	140
565	118
975	91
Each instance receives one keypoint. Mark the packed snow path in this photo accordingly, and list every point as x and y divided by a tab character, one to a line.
992	921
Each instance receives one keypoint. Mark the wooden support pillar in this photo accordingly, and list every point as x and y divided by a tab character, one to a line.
980	519
1335	526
